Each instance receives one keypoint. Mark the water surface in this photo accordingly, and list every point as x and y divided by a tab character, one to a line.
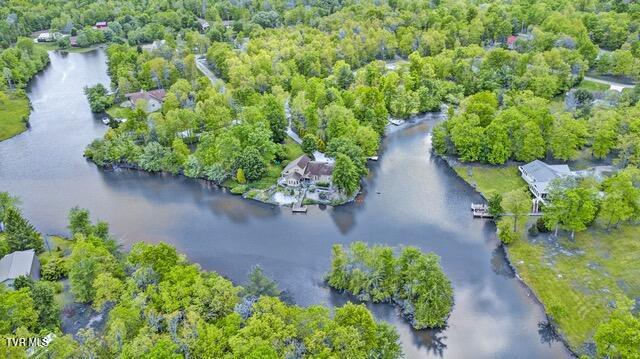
411	198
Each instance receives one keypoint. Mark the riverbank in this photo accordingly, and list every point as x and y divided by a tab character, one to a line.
14	115
579	281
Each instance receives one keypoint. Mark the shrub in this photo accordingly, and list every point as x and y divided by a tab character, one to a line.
54	270
505	231
541	226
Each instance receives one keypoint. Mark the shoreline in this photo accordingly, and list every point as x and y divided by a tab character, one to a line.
391	128
530	291
220	186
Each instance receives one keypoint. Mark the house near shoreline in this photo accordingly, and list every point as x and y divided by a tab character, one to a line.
153	99
19	263
303	170
539	176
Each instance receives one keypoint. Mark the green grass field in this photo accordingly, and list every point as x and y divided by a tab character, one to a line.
592	86
579	284
13	113
52	46
579	280
116	111
491	180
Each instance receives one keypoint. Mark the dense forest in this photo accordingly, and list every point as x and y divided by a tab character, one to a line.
161	306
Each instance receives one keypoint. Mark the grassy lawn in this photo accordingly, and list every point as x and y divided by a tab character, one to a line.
579	280
116	111
12	116
53	46
294	150
556	105
491	180
580	283
592	86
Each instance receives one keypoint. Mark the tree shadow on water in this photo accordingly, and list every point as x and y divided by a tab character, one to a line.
548	333
433	340
499	263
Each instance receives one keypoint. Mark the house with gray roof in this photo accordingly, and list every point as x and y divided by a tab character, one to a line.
539	176
17	264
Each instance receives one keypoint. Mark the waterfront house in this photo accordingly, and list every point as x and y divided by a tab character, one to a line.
19	263
294	171
153	99
303	170
539	176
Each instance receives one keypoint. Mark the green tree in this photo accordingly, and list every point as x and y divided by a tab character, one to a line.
20	234
273	110
505	233
16	310
240	176
251	163
7	201
618	337
530	143
495	205
309	144
86	262
517	204
259	284
568	135
345	175
343	74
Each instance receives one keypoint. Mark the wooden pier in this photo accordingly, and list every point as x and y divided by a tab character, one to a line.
299	208
480	210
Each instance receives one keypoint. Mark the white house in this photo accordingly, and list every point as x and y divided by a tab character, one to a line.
17	264
539	176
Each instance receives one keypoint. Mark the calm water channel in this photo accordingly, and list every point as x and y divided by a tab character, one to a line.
411	198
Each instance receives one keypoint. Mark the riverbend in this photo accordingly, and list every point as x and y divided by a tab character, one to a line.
409	198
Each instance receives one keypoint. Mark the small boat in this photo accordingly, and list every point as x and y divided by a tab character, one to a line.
373	158
105	120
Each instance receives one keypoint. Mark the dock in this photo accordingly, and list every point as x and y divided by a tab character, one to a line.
480	210
298	208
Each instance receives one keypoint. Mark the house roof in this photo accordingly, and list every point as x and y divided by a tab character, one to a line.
315	168
101	23
157	94
511	39
16	264
300	162
542	172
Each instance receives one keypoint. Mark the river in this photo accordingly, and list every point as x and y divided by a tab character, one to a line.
410	198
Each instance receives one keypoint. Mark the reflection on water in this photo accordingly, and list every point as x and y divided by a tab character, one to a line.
410	198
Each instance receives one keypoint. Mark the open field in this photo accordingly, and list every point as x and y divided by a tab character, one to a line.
13	113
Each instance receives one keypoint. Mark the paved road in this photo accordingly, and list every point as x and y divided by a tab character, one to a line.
201	64
616	86
294	136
